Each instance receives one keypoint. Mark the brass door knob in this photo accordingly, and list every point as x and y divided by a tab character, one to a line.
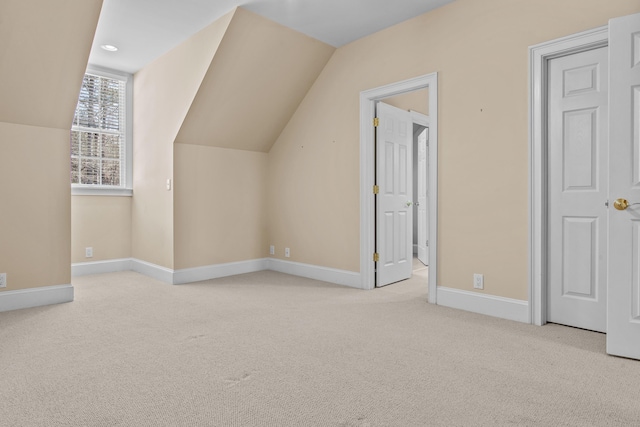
621	204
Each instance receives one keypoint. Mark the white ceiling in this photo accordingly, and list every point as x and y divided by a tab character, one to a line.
145	29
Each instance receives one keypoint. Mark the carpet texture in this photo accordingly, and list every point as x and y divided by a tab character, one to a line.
267	349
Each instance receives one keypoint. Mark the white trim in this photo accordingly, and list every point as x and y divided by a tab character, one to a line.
208	272
490	305
539	55
157	272
99	267
100	191
368	99
419	118
325	274
35	297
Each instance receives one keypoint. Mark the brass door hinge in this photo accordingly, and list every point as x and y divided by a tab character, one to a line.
376	122
376	189
376	257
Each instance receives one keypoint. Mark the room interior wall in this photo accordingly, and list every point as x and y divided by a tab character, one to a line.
258	76
480	51
102	223
220	198
163	93
417	100
44	47
35	224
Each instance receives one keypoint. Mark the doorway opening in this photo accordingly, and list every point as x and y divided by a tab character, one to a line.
368	100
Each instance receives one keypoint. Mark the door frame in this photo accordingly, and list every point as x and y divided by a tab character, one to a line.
368	99
421	120
539	55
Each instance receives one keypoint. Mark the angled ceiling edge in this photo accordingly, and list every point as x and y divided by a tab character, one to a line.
257	78
43	56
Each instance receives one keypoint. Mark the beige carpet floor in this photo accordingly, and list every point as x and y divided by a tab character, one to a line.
267	349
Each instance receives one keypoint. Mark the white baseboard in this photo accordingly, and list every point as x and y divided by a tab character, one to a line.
505	308
98	267
35	297
215	271
155	271
340	277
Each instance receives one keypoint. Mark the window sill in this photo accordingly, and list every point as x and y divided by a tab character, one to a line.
101	191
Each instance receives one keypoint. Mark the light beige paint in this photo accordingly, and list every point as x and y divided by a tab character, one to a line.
259	75
163	93
35	229
103	223
220	201
417	100
480	51
44	47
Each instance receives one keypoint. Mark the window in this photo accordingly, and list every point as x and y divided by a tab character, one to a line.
100	147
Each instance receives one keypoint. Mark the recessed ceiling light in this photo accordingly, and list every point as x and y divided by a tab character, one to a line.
109	47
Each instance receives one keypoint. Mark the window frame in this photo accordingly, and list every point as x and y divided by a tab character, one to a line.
127	188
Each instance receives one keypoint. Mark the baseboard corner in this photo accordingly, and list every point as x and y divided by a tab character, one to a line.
35	297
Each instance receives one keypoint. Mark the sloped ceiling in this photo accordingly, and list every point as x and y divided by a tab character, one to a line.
256	80
44	48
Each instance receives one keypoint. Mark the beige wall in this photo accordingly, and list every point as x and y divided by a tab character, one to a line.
163	92
44	48
220	200
257	78
418	100
480	51
35	230
103	223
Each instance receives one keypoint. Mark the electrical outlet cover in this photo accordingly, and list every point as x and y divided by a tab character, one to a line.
478	281
3	280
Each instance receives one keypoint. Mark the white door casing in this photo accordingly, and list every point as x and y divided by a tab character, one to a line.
577	150
623	314
394	211
368	99
540	55
423	185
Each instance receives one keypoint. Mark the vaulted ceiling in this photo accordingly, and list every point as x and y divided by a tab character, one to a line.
43	57
259	74
146	29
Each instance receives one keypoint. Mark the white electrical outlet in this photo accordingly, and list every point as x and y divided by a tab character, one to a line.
287	252
478	281
272	250
88	252
3	280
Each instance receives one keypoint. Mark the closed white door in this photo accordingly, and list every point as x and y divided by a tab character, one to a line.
577	190
423	203
623	315
394	211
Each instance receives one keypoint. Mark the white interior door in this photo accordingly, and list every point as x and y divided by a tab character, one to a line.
423	203
577	189
623	314
394	211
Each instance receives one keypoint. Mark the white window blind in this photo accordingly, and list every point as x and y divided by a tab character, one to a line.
98	133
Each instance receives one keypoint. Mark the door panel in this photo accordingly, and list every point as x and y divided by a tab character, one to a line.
394	211
623	292
577	189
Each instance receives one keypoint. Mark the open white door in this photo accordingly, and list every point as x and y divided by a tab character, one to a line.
423	203
394	212
623	296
